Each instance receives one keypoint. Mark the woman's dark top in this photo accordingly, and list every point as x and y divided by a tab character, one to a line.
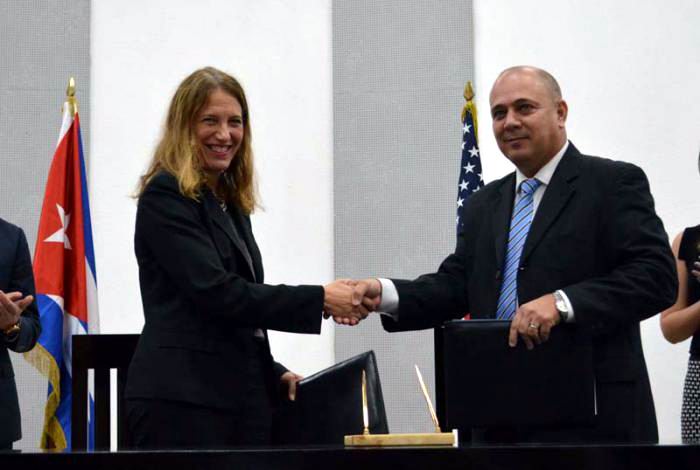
688	252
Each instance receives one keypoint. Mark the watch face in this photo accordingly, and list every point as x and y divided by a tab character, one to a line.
559	303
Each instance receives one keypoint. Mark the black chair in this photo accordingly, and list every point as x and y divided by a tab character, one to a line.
100	353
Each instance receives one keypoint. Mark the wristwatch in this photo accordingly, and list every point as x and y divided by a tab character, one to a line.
11	330
560	304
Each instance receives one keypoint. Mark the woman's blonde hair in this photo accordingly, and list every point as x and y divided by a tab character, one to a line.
178	151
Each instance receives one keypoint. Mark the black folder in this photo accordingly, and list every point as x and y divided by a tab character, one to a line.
488	384
328	405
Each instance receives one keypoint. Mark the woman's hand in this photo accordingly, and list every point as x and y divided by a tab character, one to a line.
343	300
288	381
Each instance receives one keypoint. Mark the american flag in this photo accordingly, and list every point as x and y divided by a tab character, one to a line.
470	177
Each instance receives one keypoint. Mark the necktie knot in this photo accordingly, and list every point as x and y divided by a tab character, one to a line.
529	186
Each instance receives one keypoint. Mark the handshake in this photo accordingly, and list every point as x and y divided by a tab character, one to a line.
349	301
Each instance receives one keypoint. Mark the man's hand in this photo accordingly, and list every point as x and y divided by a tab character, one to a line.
288	381
343	300
370	291
11	307
533	321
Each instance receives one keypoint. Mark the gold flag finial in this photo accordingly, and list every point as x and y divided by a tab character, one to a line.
470	107
70	91
468	91
71	102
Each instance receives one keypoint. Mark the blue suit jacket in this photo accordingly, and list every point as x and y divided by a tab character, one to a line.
15	275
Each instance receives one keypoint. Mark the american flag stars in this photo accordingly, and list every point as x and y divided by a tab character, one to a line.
470	177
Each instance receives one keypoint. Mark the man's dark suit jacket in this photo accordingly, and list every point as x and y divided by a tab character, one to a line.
596	236
15	275
203	299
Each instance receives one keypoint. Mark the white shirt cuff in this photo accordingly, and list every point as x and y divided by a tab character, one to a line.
389	304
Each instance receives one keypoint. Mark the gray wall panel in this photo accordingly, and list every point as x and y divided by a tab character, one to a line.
42	44
399	72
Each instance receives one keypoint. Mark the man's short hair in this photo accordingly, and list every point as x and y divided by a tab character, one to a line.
549	80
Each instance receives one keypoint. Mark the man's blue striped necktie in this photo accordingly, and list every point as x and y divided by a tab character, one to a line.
519	227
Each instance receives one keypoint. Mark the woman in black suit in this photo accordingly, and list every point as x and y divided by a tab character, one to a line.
202	375
682	321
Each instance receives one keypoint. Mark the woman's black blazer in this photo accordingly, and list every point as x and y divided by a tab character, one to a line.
203	300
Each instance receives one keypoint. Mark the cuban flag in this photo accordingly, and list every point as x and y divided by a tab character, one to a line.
65	275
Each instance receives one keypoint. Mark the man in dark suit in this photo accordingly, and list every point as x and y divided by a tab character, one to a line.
19	323
566	238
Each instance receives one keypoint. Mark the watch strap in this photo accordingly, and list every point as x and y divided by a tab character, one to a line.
12	330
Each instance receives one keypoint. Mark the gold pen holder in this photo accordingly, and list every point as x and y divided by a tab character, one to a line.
433	439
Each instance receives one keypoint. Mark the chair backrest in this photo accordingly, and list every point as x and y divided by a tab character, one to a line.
100	353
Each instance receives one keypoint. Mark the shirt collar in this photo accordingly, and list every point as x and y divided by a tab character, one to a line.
546	172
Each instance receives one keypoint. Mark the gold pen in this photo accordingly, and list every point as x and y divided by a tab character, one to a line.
427	400
365	411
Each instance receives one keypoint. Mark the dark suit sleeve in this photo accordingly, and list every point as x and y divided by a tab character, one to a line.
278	369
432	299
170	225
642	279
22	280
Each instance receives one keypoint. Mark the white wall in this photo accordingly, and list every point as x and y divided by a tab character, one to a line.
629	70
280	51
